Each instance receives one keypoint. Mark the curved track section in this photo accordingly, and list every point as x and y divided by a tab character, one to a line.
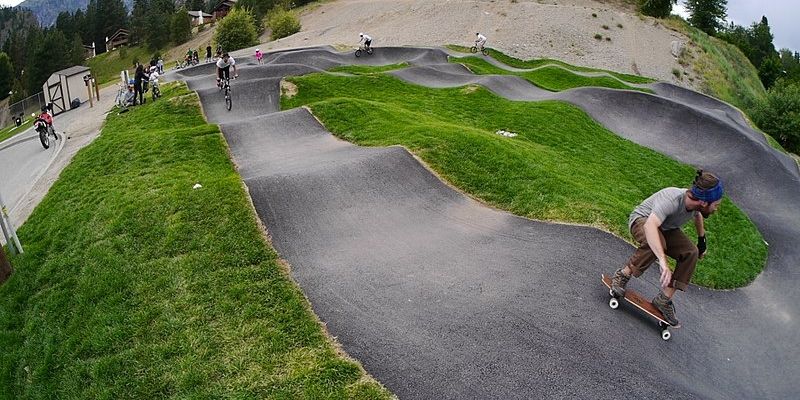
441	297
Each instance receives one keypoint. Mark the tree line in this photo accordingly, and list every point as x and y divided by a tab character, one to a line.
32	54
777	114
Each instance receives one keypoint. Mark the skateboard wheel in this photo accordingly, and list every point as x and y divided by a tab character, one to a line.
613	303
666	334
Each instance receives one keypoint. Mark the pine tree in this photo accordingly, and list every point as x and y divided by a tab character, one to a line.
181	26
139	21
6	75
77	53
656	8
707	15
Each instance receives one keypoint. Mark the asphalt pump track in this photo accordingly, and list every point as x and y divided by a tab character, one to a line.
439	296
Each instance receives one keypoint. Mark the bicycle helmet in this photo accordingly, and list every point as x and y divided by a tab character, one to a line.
257	50
360	34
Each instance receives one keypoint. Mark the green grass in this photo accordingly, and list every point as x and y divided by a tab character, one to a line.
106	67
563	166
135	286
725	71
9	131
365	69
550	78
535	63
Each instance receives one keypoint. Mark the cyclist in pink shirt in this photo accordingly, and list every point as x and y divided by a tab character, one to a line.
259	56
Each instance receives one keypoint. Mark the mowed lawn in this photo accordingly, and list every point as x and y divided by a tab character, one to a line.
563	166
134	285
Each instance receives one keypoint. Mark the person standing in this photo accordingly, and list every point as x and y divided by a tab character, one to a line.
656	225
138	79
208	53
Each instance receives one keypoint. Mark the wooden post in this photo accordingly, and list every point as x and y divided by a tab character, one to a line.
89	88
5	266
96	88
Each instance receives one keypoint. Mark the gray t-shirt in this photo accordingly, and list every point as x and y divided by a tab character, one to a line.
668	204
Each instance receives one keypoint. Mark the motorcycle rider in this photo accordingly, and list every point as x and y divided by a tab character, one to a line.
48	119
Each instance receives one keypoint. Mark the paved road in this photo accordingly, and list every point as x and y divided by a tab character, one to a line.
441	297
22	161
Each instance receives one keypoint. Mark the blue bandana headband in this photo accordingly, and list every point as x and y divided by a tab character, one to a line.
708	195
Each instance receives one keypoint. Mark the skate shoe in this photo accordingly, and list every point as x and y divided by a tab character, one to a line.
618	282
664	304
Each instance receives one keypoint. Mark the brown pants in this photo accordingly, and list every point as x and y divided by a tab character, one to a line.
676	245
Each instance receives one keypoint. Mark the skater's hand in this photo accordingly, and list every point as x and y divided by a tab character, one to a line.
701	246
666	274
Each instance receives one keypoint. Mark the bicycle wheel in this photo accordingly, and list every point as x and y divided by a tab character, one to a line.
228	102
473	49
485	52
370	50
44	138
358	53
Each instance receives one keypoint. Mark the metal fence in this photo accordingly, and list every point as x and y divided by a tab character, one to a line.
31	104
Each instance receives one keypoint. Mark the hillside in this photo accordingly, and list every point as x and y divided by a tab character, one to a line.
14	20
724	71
47	11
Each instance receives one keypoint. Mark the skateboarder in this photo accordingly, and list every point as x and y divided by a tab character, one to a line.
656	226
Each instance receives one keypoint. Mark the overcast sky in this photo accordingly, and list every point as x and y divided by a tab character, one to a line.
783	16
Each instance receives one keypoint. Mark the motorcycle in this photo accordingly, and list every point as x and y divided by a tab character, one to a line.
44	130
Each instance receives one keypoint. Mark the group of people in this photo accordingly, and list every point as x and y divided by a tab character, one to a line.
143	76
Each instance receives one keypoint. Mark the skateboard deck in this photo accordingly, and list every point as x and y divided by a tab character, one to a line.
633	297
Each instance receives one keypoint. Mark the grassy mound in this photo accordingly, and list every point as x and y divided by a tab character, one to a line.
134	285
536	63
563	166
550	78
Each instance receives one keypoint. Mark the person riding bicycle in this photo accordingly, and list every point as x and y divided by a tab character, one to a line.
223	68
480	41
366	39
259	56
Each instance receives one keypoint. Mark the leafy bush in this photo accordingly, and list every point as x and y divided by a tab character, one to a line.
236	31
282	23
779	114
656	8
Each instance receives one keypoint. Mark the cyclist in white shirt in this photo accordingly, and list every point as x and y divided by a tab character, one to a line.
366	39
480	41
223	68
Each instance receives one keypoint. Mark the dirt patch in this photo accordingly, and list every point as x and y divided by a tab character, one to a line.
559	29
288	89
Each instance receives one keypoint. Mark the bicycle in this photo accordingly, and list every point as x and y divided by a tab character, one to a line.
225	84
363	49
483	50
156	90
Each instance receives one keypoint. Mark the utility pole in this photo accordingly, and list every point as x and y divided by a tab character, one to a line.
8	229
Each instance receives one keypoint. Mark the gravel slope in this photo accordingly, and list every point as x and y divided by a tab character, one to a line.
523	29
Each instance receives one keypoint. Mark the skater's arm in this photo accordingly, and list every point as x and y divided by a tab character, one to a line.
654	242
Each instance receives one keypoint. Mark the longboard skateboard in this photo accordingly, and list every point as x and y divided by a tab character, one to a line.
641	303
